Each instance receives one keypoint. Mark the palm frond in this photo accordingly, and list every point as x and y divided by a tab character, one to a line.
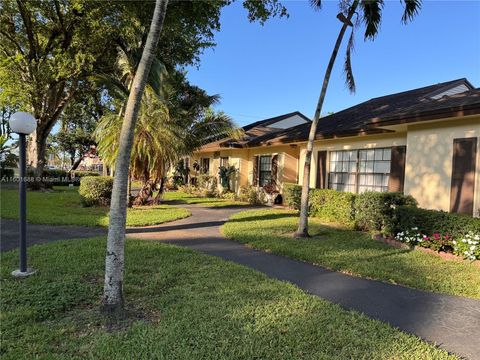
316	4
372	17
412	7
211	127
349	79
156	77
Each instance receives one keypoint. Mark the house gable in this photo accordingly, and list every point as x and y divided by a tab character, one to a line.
289	122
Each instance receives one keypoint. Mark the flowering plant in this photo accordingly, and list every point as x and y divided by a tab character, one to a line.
411	237
437	241
468	247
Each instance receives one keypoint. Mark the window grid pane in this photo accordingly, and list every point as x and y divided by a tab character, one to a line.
343	168
372	172
374	169
265	170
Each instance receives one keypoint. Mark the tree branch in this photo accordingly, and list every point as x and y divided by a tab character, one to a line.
27	22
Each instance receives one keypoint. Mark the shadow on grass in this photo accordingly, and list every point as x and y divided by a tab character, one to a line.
160	228
255	217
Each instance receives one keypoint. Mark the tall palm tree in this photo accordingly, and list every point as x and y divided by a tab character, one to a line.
115	256
370	15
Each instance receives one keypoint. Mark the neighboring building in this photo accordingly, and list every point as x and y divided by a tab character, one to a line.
256	164
423	142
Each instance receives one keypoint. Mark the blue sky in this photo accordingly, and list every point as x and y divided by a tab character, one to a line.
264	71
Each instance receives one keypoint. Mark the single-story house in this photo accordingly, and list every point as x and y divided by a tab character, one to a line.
423	142
256	165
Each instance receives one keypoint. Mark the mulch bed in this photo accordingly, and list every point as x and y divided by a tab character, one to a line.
444	255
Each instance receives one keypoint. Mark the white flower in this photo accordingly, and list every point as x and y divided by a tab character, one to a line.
473	247
454	242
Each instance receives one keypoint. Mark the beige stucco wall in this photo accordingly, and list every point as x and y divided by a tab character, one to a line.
242	159
350	143
428	168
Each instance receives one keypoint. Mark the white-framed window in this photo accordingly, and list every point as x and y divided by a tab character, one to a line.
374	169
360	170
265	170
224	161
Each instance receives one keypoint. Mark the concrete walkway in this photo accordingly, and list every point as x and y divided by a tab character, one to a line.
452	322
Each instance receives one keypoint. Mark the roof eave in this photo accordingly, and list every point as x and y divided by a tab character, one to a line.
451	112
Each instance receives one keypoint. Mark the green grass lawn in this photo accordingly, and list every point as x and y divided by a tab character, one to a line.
352	252
63	207
183	305
184	198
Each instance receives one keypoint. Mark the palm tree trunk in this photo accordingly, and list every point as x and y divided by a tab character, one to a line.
114	261
302	230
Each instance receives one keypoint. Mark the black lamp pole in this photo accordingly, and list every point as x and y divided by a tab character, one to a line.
23	203
23	124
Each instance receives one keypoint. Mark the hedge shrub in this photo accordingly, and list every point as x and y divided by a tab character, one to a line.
374	211
329	205
291	195
7	173
83	173
55	173
332	205
249	194
96	190
433	221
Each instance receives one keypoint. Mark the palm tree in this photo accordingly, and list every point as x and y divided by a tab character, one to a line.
370	15
160	140
115	257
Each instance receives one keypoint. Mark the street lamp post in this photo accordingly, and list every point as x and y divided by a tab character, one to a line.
23	124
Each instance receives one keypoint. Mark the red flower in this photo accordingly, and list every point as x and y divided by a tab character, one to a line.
437	236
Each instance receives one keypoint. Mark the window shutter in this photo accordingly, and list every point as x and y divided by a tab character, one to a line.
397	169
321	169
463	175
255	171
274	169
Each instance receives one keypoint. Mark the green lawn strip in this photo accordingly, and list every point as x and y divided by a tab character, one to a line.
63	207
185	198
183	305
352	252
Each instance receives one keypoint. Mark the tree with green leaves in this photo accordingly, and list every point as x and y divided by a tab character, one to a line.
114	263
352	14
47	49
78	121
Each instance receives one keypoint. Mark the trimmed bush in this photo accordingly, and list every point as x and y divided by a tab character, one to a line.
7	173
292	195
55	173
83	173
329	205
333	206
249	194
56	177
96	190
374	211
433	221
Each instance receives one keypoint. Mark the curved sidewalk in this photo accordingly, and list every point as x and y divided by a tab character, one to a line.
452	322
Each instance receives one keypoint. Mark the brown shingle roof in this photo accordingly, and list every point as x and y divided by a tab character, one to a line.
252	132
366	117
